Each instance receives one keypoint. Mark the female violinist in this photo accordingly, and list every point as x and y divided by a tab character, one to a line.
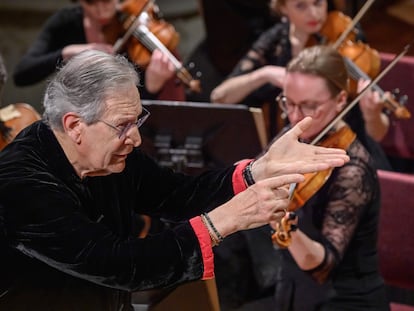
81	27
258	77
331	260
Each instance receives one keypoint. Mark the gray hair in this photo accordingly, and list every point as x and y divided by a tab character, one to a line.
84	83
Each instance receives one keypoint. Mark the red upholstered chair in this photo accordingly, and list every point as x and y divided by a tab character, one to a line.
399	141
396	225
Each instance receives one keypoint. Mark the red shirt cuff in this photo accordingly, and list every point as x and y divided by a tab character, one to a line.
238	181
205	246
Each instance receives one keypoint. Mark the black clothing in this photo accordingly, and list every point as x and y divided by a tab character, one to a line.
73	240
63	28
343	217
231	27
272	48
357	124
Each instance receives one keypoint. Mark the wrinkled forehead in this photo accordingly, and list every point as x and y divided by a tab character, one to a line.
123	100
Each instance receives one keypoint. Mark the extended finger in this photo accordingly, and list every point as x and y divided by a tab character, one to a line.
328	151
280	181
282	192
303	167
301	127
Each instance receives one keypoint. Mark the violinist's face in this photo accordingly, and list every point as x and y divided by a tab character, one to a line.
99	11
308	95
308	16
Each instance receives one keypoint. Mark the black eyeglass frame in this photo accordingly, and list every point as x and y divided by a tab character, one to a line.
123	132
282	102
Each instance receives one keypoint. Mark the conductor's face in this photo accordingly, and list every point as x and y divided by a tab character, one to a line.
108	142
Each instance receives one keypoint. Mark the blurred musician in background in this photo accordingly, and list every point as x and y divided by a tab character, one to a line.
258	77
82	27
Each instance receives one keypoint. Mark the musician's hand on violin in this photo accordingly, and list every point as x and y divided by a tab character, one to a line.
287	155
73	49
261	203
159	70
371	104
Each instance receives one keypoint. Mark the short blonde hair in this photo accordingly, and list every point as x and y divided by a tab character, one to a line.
323	61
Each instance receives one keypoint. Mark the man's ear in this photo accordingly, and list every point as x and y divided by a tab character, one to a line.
73	126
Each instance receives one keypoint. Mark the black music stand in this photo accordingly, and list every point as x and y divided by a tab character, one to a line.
191	137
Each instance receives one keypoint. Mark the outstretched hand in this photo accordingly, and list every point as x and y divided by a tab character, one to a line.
287	155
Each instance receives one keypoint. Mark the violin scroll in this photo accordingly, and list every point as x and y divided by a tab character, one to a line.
396	106
282	236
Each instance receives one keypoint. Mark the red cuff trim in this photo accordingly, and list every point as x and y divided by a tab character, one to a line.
205	245
238	181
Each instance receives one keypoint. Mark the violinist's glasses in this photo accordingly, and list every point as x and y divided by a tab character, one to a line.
308	108
123	129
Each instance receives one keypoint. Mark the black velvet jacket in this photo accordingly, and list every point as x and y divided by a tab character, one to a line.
71	244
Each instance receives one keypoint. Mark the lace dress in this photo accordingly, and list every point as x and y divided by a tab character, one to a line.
343	217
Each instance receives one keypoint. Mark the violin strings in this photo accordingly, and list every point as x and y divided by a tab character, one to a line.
356	73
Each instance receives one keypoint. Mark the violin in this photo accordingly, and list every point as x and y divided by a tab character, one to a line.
362	61
13	118
139	29
339	137
361	54
282	236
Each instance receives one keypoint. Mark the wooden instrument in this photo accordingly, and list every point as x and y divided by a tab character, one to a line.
13	118
139	29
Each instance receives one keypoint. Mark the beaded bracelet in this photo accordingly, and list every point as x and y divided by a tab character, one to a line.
213	238
215	235
247	174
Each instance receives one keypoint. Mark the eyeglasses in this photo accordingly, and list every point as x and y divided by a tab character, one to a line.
305	108
123	129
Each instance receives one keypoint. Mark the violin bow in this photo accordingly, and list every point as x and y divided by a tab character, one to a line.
351	26
344	111
360	94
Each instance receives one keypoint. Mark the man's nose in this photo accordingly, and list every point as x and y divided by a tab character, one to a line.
133	136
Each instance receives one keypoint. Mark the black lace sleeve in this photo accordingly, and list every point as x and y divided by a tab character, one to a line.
349	194
271	48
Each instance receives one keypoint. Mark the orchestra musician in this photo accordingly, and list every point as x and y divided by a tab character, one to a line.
338	225
329	260
71	184
82	27
258	77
